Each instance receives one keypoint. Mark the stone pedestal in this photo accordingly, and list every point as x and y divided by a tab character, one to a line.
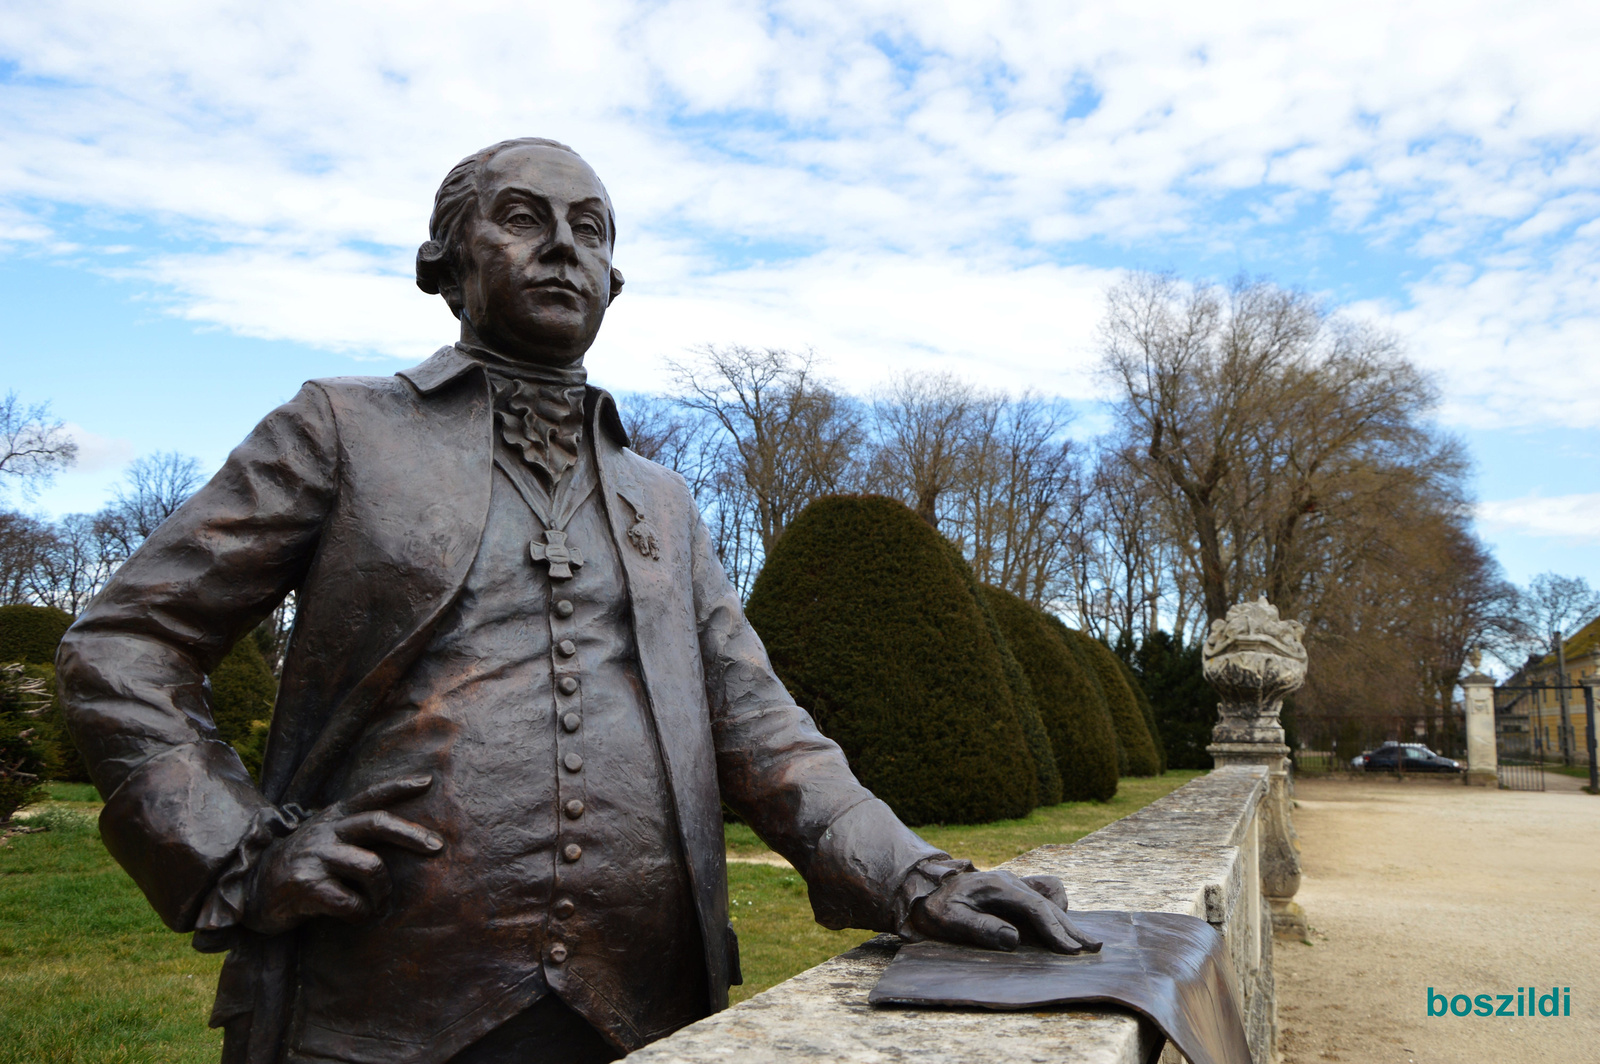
1482	758
1280	844
1253	658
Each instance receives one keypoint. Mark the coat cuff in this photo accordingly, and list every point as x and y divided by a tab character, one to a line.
176	823
862	861
216	929
923	879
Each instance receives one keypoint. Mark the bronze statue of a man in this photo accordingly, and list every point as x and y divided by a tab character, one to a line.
518	691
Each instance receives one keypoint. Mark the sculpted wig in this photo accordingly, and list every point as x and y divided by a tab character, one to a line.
455	204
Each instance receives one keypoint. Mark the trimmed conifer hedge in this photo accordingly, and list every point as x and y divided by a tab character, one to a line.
1034	732
28	637
242	685
1146	710
874	632
1078	723
29	634
242	691
27	756
1133	736
1185	705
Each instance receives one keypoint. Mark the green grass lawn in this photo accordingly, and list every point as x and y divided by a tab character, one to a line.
88	974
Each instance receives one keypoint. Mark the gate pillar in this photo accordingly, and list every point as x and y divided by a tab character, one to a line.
1254	659
1482	758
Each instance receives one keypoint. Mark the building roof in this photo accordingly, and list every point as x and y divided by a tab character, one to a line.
1583	642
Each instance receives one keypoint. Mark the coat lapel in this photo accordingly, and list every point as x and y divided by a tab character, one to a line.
397	555
653	540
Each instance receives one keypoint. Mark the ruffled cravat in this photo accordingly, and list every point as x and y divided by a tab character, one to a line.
543	423
539	411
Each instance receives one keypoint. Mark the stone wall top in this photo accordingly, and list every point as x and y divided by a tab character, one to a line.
1190	852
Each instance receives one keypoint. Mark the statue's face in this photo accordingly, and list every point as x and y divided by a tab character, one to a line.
537	257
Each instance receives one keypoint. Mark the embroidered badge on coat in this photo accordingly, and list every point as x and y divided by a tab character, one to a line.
641	535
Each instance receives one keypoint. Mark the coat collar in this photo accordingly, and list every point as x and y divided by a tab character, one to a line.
450	363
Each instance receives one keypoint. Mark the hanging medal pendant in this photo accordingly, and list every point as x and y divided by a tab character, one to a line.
556	553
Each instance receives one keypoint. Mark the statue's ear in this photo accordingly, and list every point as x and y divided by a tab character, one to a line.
616	285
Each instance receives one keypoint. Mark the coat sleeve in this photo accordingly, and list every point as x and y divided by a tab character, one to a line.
132	669
792	784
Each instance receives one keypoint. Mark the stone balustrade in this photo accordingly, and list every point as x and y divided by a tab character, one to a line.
1195	851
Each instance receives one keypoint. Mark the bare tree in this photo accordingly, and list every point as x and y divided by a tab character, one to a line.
681	439
923	425
73	565
1552	608
786	438
155	486
1393	632
1126	553
1273	426
23	541
272	634
1019	480
34	446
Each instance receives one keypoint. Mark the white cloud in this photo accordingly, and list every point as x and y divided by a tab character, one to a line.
911	163
97	453
1573	518
335	299
869	316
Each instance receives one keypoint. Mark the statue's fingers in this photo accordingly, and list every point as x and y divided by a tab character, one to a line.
381	827
1050	887
363	868
332	898
961	923
1040	916
387	793
1082	943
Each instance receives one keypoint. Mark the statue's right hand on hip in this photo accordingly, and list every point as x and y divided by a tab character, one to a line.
325	868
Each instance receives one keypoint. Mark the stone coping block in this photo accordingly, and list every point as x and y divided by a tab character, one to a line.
1192	852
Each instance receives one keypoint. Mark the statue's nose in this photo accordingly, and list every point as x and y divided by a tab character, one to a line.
560	245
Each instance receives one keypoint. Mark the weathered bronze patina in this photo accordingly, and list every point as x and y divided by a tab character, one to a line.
518	691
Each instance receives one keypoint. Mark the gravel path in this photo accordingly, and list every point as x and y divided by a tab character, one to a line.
1464	889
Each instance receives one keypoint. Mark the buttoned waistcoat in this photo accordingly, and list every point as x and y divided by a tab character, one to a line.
368	497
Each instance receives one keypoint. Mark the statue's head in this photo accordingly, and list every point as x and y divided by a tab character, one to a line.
520	247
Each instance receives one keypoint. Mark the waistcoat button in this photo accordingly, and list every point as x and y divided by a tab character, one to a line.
563	608
574	809
558	952
565	908
570	722
572	851
567	685
573	762
567	648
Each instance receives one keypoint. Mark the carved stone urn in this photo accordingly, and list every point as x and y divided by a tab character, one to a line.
1254	658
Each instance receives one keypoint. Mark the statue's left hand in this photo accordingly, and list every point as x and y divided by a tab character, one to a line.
999	910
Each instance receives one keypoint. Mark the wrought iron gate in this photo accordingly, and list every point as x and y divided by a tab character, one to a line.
1519	750
1520	773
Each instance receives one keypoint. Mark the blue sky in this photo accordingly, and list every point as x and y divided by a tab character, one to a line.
203	205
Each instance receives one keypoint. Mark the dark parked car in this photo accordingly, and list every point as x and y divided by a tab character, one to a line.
1418	759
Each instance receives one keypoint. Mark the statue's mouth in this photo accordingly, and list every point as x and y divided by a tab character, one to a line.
1263	643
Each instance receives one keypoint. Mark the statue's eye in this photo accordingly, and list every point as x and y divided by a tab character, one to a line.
522	220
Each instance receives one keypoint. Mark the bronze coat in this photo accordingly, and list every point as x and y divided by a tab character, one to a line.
368	496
